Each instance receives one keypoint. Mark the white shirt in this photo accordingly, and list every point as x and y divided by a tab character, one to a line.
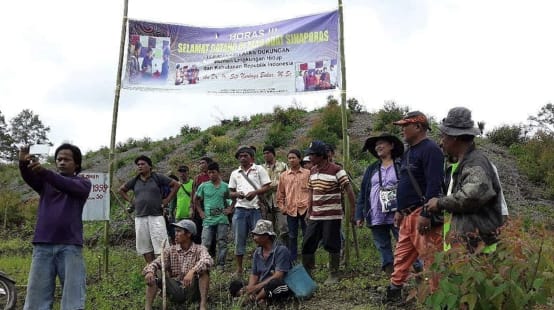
258	175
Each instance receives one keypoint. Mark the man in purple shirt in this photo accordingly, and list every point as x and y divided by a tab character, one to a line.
58	240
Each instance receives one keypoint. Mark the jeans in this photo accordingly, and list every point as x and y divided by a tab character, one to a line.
244	221
293	223
382	240
51	260
220	231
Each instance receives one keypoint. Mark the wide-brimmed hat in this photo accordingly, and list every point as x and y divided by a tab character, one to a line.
398	146
187	225
264	227
458	122
414	117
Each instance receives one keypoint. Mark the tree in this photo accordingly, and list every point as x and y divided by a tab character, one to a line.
387	115
6	142
545	118
354	105
26	128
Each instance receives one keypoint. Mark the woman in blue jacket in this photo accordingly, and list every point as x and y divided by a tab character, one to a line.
377	198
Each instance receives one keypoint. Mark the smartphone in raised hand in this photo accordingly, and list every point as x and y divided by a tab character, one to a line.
39	149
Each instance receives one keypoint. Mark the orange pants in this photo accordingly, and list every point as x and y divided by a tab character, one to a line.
411	245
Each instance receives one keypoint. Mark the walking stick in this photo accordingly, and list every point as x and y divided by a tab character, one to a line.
355	239
164	299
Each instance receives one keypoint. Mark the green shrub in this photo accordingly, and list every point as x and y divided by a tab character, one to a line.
218	131
279	135
518	275
328	127
536	159
221	144
10	209
354	105
384	118
187	130
506	135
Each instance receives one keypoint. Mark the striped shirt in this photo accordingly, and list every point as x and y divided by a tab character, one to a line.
326	184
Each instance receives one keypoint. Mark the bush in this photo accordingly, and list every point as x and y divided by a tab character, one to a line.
221	144
506	135
187	130
518	275
11	210
145	143
329	126
536	159
354	105
218	131
278	135
385	117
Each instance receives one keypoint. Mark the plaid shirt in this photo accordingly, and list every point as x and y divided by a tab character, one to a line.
179	262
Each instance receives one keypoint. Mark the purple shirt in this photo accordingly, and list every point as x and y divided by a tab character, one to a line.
60	206
388	177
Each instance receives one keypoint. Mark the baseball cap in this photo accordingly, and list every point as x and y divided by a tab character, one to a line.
414	117
187	225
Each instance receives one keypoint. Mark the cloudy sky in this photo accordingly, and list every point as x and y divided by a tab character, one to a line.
494	57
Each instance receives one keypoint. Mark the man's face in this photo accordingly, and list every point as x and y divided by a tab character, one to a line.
245	159
268	157
293	160
410	132
316	159
181	235
65	163
142	166
214	175
447	143
203	165
259	239
184	175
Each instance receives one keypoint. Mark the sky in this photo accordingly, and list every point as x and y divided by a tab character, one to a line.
494	57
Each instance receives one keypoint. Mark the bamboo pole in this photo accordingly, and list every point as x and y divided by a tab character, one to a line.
345	144
114	126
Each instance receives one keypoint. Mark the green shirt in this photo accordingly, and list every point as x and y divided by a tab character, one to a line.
214	202
183	201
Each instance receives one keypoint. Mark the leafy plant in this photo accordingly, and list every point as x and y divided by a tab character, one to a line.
518	275
506	135
384	118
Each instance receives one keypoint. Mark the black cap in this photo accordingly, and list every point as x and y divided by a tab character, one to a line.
317	147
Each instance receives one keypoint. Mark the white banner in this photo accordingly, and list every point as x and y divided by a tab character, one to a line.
97	207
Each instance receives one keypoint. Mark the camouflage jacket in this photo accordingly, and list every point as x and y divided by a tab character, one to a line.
475	202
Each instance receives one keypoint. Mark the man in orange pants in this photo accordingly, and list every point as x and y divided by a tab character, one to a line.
421	177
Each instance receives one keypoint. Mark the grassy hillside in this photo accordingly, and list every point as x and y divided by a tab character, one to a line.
361	287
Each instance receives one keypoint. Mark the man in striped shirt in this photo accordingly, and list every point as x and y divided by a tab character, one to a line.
326	184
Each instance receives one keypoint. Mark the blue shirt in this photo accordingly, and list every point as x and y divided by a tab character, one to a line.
278	260
427	167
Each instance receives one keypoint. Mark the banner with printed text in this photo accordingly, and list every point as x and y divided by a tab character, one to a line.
286	57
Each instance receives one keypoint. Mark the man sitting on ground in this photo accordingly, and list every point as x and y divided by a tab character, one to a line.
270	264
187	265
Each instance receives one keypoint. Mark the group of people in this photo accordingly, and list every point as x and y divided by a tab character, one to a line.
406	195
316	79
147	70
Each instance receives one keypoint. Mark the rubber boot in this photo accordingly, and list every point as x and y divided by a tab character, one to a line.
308	260
334	261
